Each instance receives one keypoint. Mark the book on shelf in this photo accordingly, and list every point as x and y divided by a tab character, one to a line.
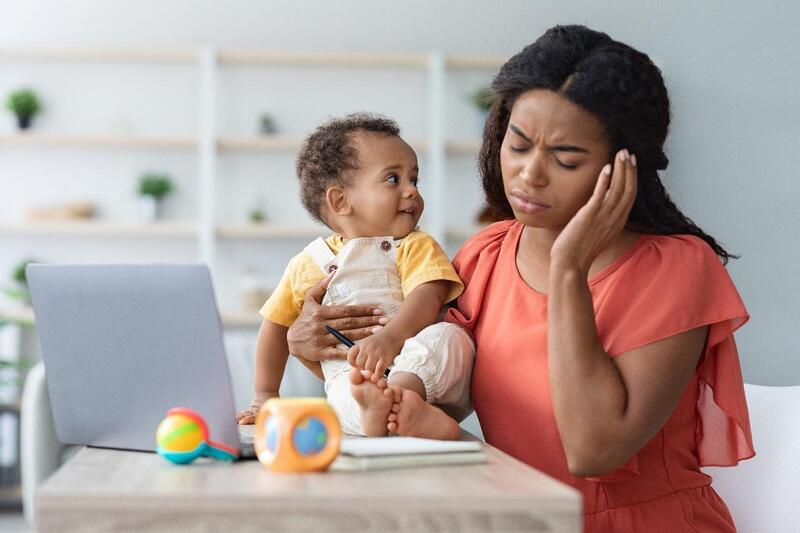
382	453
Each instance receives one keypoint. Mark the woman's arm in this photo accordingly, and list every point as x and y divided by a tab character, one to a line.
607	408
309	340
418	310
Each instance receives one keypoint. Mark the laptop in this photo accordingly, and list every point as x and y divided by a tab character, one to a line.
122	344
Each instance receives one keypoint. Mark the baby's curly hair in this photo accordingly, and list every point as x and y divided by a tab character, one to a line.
329	153
619	85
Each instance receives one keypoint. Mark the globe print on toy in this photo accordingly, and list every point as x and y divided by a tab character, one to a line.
272	434
310	436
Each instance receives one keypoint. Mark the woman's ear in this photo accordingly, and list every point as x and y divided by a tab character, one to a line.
337	202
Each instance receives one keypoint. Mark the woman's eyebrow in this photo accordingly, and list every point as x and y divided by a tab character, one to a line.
569	148
557	148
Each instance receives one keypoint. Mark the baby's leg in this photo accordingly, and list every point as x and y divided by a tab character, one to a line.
435	367
411	416
374	399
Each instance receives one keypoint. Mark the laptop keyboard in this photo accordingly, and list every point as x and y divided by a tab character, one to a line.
247	450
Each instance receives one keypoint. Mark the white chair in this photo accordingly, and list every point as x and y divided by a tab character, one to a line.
762	493
41	453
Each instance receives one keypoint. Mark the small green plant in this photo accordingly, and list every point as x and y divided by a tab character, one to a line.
257	216
25	105
482	98
20	290
156	185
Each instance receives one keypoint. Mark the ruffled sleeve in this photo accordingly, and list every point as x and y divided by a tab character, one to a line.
474	264
671	285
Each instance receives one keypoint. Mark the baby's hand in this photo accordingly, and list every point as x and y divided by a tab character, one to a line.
375	353
248	416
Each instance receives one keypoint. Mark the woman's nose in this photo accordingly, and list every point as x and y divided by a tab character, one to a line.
532	172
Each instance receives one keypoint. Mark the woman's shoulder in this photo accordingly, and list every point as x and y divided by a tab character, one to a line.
487	239
687	254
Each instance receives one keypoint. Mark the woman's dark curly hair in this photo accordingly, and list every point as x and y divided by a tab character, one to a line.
619	85
329	153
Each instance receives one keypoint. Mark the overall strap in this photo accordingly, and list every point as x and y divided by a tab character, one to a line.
320	253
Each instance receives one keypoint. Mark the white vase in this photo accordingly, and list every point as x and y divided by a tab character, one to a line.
149	208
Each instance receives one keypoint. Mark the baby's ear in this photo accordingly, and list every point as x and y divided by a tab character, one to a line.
336	201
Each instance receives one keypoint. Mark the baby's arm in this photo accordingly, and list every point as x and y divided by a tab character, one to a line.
272	352
419	310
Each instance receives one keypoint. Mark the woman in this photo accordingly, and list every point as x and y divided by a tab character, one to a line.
603	317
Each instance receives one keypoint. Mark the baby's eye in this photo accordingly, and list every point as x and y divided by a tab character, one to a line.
393	179
415	182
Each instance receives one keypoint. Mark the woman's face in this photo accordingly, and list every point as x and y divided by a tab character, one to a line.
552	153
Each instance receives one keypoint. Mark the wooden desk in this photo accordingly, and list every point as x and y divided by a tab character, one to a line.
107	490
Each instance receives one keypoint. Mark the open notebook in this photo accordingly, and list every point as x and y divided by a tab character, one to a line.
358	453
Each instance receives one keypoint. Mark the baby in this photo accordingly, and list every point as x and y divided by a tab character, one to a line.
359	178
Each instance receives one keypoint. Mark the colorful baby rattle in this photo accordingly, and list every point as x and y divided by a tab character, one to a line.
182	437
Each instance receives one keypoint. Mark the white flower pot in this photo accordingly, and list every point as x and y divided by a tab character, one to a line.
149	208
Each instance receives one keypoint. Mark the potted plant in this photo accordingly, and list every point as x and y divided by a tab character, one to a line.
482	99
25	105
19	291
266	124
153	188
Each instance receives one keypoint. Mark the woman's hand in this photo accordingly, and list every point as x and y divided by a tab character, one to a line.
307	337
601	219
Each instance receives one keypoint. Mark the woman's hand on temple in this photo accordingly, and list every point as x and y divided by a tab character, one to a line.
307	337
601	219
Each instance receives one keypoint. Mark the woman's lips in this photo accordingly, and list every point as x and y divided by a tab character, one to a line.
527	204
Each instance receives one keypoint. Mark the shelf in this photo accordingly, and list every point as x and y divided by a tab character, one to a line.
264	143
241	319
272	143
100	141
251	57
99	55
233	319
475	62
270	231
321	59
90	228
464	147
23	315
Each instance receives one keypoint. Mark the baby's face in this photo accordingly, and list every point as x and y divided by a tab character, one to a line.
383	191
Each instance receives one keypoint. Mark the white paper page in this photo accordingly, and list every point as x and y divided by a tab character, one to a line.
368	447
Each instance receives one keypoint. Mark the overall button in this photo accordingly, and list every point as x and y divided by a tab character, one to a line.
332	268
386	246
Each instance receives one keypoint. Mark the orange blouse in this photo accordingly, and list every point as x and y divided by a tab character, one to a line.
662	286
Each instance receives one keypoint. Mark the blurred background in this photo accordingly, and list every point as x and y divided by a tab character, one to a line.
156	131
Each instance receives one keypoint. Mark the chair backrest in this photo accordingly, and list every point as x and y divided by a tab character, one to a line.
763	493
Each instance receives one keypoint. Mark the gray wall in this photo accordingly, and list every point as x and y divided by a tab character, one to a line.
732	69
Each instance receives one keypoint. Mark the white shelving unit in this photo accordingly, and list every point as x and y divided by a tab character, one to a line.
207	142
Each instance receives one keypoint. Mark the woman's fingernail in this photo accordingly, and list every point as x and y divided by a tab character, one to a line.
383	320
633	159
377	311
623	155
607	170
376	329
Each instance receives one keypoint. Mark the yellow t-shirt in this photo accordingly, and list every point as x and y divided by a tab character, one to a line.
420	259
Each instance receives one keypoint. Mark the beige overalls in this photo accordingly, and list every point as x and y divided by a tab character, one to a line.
441	355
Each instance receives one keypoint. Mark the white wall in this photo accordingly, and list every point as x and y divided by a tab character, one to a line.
731	67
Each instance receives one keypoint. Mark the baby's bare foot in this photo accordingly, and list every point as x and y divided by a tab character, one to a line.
411	416
369	392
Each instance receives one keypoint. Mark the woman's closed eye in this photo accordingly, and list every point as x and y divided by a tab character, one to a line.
564	165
